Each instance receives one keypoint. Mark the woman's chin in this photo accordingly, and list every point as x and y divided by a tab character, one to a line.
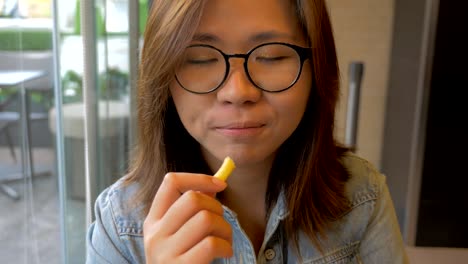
248	159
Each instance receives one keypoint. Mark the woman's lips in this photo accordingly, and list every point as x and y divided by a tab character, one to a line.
241	130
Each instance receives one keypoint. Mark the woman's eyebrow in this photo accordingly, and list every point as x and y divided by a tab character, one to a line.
254	38
269	36
206	38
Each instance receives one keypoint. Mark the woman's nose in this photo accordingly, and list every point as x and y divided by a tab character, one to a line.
237	88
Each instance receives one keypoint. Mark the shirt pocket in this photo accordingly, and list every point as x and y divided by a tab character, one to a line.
343	255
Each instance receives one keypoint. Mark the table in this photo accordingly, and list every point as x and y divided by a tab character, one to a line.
17	79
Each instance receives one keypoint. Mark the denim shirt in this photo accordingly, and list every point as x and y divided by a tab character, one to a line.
367	233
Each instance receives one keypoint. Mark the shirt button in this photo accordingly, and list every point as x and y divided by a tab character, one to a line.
270	254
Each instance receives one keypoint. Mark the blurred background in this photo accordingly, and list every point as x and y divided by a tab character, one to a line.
67	106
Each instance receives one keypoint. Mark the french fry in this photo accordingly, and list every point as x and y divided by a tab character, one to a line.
225	170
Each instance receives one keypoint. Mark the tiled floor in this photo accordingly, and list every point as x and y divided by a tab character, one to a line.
31	230
30	227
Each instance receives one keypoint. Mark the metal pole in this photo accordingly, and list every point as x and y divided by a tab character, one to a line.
134	50
60	147
88	27
356	70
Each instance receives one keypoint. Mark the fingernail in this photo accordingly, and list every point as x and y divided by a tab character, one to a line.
218	182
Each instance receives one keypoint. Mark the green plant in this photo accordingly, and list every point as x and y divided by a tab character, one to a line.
112	85
25	39
143	16
5	94
100	26
72	84
100	23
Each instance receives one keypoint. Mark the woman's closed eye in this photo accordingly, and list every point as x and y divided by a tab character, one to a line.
271	59
202	61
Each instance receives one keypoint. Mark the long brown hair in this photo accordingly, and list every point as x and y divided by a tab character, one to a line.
307	167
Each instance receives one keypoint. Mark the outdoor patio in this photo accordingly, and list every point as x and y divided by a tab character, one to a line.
30	228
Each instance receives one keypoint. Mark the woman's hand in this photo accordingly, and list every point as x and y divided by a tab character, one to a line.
185	223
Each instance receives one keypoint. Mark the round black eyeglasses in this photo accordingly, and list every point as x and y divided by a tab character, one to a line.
271	67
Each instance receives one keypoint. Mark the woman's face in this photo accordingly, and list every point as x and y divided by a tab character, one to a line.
238	119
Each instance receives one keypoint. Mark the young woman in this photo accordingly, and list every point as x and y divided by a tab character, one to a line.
256	81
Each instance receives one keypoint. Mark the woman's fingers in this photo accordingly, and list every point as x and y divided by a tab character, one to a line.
175	184
201	225
206	250
188	205
184	220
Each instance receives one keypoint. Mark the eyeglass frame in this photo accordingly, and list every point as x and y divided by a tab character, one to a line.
303	52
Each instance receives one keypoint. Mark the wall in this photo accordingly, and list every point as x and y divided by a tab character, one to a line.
363	32
407	99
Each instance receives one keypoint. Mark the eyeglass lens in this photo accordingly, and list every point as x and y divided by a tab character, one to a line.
272	67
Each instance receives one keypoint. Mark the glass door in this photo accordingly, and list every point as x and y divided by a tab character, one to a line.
29	207
98	44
